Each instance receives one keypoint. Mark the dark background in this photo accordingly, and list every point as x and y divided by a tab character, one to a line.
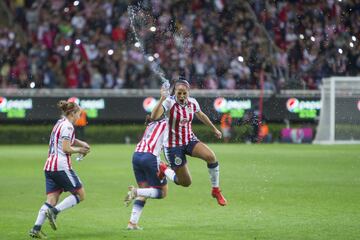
130	109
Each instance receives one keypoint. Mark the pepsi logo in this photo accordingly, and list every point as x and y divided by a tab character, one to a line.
6	104
219	104
222	105
149	104
3	102
292	104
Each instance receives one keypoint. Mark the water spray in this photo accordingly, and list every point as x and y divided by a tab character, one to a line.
154	66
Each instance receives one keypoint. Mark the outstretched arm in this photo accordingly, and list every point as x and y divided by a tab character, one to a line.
205	119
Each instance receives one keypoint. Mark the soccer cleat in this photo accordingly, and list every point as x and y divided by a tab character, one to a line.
216	193
51	215
133	226
37	234
130	196
161	172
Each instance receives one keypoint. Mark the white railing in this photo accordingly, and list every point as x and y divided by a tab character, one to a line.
77	92
147	92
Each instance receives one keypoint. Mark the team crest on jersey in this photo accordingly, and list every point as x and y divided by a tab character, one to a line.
178	161
183	122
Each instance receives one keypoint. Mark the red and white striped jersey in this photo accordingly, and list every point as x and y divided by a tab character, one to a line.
153	138
58	160
180	118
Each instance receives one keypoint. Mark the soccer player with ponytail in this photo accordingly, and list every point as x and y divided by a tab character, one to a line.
149	171
179	109
59	175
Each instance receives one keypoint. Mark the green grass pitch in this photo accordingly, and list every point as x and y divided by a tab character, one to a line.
274	192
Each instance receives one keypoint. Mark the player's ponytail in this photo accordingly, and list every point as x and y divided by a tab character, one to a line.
67	107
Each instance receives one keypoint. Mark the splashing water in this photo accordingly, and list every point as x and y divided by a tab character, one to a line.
138	20
142	22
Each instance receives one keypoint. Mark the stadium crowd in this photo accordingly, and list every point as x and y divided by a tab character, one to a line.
216	44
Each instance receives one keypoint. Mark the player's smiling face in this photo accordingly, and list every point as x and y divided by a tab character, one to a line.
181	93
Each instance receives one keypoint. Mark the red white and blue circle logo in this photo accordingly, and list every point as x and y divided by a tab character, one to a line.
149	104
292	104
3	102
220	104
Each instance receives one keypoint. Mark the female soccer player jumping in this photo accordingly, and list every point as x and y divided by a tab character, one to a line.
147	168
181	141
59	175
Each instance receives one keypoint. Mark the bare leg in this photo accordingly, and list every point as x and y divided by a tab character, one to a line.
80	194
53	198
183	176
203	152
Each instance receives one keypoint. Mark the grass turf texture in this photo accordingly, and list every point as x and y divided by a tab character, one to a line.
274	192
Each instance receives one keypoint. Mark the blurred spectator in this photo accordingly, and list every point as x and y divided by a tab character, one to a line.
216	44
80	125
265	135
313	37
251	118
226	126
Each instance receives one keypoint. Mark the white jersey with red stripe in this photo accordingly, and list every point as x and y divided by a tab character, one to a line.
58	160
153	138
179	119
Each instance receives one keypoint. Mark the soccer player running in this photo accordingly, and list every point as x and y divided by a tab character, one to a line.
59	175
146	165
180	109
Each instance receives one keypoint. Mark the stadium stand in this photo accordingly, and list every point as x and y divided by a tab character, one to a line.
89	44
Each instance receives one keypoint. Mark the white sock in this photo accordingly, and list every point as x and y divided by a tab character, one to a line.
136	211
68	202
214	175
149	192
170	174
41	216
